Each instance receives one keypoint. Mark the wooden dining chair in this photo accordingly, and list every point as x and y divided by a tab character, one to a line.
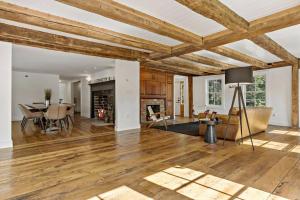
70	112
56	113
155	119
29	115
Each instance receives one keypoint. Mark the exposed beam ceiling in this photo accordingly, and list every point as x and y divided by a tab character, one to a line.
218	12
173	68
33	17
215	10
191	65
225	51
238	28
40	39
276	21
125	14
274	48
206	61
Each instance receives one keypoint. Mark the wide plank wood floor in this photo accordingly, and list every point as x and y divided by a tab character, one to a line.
98	164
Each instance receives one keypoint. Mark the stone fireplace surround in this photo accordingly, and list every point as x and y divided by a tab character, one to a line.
146	102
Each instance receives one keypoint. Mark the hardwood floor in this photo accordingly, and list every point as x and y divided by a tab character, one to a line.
83	127
151	164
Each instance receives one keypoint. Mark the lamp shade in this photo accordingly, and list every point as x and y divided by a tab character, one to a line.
241	75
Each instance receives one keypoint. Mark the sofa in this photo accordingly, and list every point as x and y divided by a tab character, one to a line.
258	120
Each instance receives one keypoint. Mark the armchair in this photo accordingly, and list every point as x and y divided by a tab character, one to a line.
155	119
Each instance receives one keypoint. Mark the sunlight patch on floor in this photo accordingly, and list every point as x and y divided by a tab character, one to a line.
275	197
252	193
293	133
199	192
275	145
282	132
220	184
123	193
192	184
256	142
166	180
267	144
183	181
185	173
296	149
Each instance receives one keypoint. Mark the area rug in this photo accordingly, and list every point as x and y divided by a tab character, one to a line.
191	128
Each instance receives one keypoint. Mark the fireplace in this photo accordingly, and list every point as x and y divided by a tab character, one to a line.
158	105
103	101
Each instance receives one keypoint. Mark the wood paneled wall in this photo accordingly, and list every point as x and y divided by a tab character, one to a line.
158	85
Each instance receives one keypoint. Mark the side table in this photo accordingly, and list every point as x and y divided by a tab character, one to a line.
210	134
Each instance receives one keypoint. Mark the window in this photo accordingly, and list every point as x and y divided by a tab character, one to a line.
256	92
214	92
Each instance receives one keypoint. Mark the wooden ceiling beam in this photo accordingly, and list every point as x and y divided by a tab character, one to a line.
276	21
33	17
40	39
215	10
190	65
271	46
278	64
207	61
125	14
172	68
225	51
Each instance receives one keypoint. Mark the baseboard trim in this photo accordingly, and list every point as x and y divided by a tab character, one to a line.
135	130
6	144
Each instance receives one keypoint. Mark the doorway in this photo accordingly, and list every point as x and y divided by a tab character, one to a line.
181	101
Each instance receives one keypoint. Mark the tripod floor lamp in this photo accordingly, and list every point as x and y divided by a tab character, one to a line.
237	77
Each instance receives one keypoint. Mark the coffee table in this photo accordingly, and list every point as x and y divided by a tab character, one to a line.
210	134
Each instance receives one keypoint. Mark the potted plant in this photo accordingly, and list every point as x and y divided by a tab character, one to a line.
48	93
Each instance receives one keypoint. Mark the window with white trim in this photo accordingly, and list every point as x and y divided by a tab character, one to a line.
214	92
256	92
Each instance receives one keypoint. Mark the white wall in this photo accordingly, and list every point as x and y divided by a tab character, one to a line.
26	90
85	98
65	91
109	72
127	75
278	94
6	97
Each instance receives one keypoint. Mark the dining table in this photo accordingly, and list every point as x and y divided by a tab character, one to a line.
37	107
43	108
